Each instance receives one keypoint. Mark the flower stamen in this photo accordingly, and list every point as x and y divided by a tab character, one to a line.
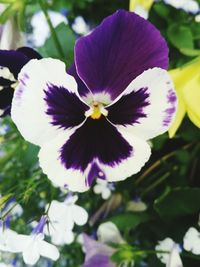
96	110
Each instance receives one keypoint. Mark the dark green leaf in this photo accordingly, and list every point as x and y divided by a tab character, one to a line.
180	36
129	220
67	40
178	202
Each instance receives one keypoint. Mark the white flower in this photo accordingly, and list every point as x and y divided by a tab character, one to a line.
10	36
197	18
80	26
63	216
104	188
191	241
109	233
13	208
171	259
40	26
174	258
67	213
7	238
2	264
33	246
187	5
59	234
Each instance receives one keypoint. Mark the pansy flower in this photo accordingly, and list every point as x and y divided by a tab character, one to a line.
94	122
11	62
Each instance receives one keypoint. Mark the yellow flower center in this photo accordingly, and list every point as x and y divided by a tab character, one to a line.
96	110
96	114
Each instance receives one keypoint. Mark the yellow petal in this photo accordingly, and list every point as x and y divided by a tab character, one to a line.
195	118
146	4
181	111
187	85
182	77
192	100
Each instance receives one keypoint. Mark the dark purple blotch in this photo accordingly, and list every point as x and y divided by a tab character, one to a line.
65	109
129	108
94	172
95	139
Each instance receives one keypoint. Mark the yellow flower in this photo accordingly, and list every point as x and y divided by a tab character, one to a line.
187	84
146	4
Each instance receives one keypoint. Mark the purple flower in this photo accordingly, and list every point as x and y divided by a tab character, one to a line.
94	121
97	253
11	62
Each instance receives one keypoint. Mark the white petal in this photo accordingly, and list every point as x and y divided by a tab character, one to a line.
80	26
48	250
31	253
59	234
79	214
162	98
28	105
12	242
165	245
174	259
192	241
56	172
106	193
109	233
133	164
98	188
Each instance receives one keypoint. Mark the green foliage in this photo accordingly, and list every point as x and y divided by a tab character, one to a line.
67	44
178	202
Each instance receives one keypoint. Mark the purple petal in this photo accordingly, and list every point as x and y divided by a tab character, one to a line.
29	52
6	96
82	88
64	107
40	226
97	254
129	108
14	60
95	170
117	51
99	260
95	139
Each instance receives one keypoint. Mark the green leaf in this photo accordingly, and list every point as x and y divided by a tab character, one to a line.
67	40
7	1
129	220
122	255
4	199
190	52
21	17
180	36
178	202
162	10
7	13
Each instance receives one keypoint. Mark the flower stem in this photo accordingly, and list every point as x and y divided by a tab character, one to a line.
53	32
155	184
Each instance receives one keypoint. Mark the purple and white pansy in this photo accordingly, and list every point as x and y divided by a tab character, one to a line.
95	120
11	62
